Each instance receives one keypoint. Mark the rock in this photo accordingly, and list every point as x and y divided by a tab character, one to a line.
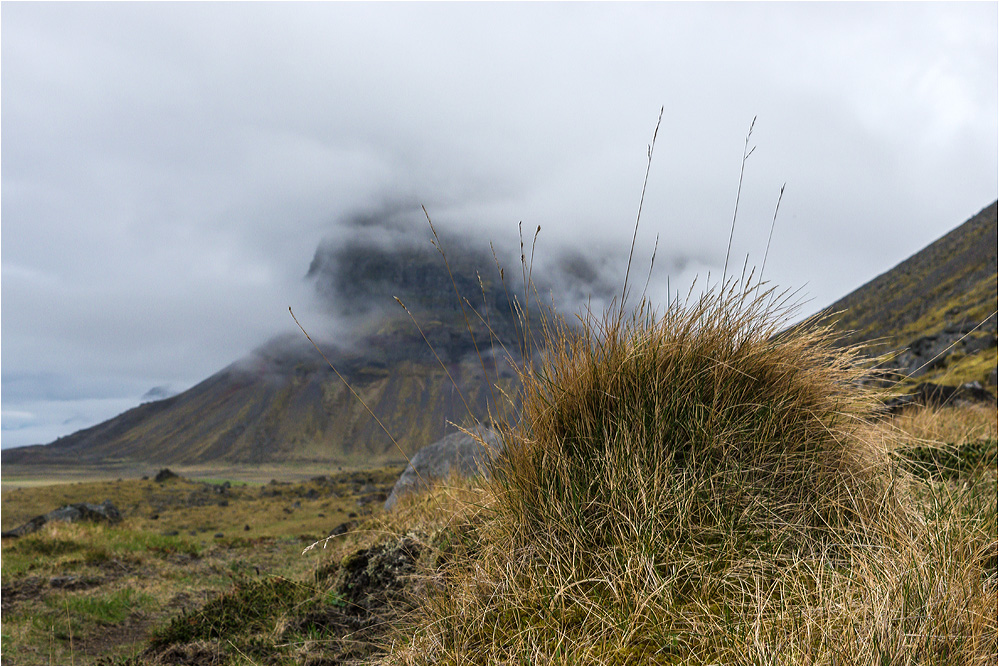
939	395
344	527
458	452
164	475
369	498
105	512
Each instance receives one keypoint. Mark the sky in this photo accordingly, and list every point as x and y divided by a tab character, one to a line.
169	169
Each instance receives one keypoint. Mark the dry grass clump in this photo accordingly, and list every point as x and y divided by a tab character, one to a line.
697	425
695	487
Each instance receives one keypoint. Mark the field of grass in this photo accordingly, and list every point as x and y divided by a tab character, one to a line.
93	594
779	522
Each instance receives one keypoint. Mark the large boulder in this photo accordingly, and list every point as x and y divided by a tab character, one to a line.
105	512
455	453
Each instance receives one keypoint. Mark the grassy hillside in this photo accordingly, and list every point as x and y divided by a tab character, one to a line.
945	294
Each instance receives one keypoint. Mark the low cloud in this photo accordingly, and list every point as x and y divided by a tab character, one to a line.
169	169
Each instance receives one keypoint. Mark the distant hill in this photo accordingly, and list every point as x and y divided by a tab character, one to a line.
283	404
936	310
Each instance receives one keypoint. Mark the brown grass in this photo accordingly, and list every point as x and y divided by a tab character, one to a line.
692	487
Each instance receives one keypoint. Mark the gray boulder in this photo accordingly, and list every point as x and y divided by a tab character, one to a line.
105	512
458	452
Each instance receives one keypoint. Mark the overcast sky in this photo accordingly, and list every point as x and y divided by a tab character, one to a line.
168	170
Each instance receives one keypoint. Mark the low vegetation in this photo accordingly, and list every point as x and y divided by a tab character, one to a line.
688	487
695	488
93	594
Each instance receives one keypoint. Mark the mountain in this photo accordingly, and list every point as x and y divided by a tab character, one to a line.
283	405
935	313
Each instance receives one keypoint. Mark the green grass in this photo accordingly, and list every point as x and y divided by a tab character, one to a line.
103	608
68	587
250	608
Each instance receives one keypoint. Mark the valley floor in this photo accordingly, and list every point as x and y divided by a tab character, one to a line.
93	594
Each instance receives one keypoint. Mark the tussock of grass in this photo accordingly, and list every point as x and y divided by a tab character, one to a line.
672	427
249	608
693	487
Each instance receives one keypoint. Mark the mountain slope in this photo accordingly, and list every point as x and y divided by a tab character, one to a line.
283	404
936	310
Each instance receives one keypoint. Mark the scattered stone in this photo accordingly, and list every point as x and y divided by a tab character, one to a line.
370	498
927	353
106	512
458	452
219	535
344	527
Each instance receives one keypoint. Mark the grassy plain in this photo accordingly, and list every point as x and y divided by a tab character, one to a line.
92	594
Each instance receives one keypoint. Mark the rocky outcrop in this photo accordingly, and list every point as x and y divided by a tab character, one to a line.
463	453
938	395
927	353
106	512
